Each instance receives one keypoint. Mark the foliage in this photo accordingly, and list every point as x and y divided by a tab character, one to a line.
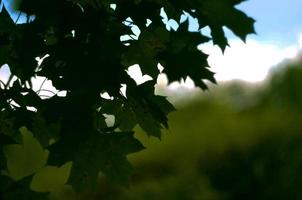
82	52
284	85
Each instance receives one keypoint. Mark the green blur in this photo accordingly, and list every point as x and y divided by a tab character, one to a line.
237	141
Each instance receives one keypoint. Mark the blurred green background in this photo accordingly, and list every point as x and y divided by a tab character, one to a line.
237	141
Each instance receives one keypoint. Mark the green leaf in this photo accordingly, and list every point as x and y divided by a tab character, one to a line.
65	192
7	29
19	190
146	62
219	37
24	159
98	152
171	11
124	116
195	66
181	39
220	13
105	153
145	117
140	107
148	108
143	51
45	132
51	178
6	23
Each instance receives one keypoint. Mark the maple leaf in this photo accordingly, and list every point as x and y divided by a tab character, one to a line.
51	178
220	13
99	152
24	159
195	66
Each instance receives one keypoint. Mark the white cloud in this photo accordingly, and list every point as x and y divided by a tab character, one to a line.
250	61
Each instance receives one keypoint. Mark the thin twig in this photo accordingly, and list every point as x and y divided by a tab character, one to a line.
132	37
18	17
11	76
38	91
45	90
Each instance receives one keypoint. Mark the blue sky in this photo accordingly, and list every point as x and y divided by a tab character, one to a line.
277	21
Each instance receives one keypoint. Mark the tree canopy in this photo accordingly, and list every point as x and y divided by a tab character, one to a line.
56	144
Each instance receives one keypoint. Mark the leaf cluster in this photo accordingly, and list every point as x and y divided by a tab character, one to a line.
84	48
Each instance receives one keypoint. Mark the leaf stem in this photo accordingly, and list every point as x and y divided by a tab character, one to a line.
40	89
18	17
11	76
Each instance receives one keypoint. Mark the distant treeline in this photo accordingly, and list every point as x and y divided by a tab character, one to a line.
237	141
